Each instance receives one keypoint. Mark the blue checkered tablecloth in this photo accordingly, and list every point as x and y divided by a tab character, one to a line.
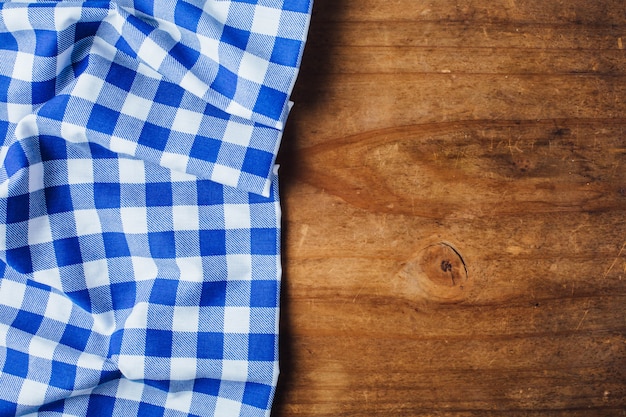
139	210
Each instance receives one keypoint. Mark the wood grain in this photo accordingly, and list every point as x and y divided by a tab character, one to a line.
454	197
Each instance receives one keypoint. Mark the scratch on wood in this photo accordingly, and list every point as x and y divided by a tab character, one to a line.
582	319
514	147
303	233
615	261
357	294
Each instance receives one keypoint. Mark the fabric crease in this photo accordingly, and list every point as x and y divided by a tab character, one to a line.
139	210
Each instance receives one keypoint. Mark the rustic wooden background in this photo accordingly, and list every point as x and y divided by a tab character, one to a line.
454	201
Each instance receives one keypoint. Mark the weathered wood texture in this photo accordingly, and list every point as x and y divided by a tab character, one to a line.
454	211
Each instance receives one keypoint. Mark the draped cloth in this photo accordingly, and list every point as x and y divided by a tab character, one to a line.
139	209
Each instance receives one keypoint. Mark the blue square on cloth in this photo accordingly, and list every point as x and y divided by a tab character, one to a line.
123	295
115	342
267	101
212	242
7	408
107	375
5	83
158	343
55	107
210	345
100	405
63	375
185	55
187	15
102	119
52	148
85	29
169	94
210	193
81	298
265	293
145	6
205	149
58	199
207	386
213	294
163	385
4	127
100	152
53	407
301	6
140	24
8	43
225	82
16	363
263	241
15	159
235	37
79	67
18	208
162	244
164	292
27	322
158	194
257	395
46	43
67	251
123	46
286	52
20	259
261	347
120	76
106	195
43	91
154	136
115	245
149	410
257	161
75	337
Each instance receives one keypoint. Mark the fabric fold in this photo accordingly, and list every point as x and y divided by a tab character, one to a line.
139	208
112	74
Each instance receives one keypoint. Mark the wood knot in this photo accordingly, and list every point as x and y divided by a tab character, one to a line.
437	273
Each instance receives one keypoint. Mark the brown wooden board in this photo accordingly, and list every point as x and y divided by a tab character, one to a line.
454	200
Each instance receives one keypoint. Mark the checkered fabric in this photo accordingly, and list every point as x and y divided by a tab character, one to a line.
139	209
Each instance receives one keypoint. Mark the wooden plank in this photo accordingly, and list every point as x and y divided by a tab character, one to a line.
454	195
605	12
461	34
476	60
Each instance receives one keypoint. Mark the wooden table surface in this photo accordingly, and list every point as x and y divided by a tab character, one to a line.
454	195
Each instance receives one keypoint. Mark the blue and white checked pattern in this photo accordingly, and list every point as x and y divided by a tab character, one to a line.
139	210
